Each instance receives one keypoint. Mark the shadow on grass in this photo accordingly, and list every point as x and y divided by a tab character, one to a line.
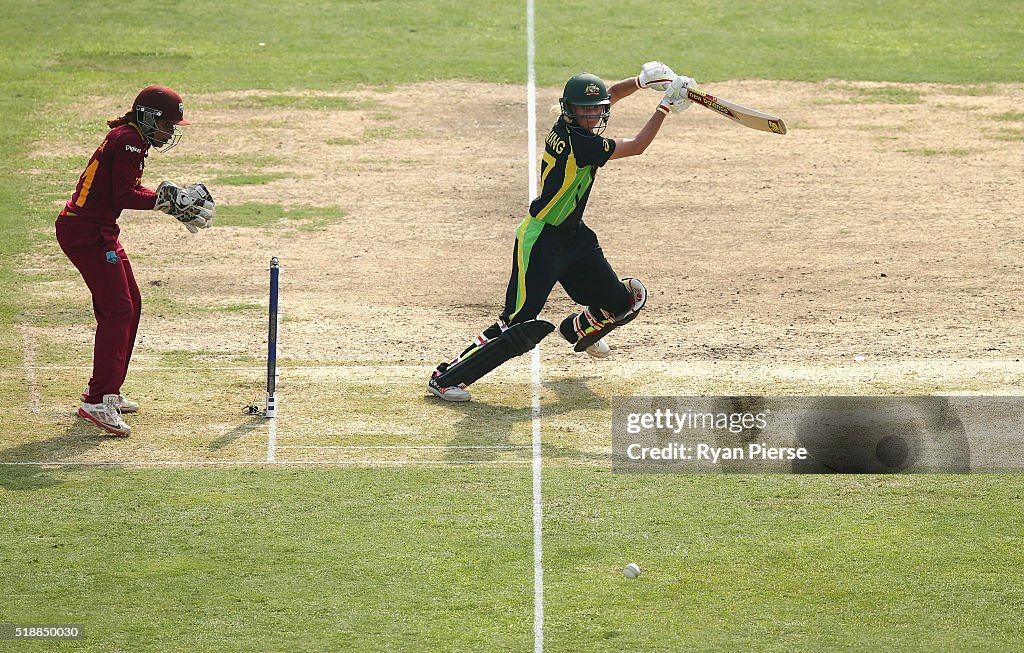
253	423
32	473
495	423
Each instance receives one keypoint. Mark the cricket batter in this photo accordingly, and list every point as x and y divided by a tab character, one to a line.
553	245
87	232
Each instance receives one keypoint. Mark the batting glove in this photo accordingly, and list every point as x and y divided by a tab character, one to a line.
680	84
654	75
676	99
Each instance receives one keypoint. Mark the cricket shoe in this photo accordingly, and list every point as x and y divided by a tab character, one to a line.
599	349
106	416
124	404
451	393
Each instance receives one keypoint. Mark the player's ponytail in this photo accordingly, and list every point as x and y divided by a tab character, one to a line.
122	120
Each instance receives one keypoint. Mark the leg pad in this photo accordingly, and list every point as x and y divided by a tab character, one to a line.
514	341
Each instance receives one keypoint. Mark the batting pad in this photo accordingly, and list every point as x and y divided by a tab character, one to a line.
514	341
594	332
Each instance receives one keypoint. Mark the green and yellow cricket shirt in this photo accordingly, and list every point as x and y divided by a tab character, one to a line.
550	238
567	173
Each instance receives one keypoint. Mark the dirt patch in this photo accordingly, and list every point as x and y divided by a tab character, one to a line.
886	224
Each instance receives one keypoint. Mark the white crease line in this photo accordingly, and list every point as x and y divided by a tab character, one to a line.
538	514
249	368
355	447
538	505
246	463
272	437
184	270
29	350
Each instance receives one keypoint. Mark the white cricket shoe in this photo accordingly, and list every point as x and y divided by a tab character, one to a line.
106	416
599	349
451	393
124	404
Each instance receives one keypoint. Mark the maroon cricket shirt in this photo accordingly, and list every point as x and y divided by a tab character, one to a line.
111	183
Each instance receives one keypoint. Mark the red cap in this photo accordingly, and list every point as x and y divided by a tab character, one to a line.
162	99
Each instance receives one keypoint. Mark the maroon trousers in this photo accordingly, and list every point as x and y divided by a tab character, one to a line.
116	301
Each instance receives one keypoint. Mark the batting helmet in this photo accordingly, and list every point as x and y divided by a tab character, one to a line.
155	103
586	90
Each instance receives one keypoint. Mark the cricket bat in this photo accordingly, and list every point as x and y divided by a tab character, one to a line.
741	114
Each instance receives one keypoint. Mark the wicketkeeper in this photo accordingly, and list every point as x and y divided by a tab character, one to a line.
87	232
553	245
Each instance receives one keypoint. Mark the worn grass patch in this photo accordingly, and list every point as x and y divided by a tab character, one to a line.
381	133
1011	135
254	179
1010	116
263	215
929	151
114	59
972	90
878	95
235	308
222	160
302	102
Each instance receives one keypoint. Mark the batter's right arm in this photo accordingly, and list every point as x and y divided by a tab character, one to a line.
674	101
632	146
623	88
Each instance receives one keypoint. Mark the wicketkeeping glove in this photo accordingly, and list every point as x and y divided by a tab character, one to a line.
654	75
200	190
193	206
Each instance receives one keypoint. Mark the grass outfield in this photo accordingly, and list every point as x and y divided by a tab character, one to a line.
439	556
438	559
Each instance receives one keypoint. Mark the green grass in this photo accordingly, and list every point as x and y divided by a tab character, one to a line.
262	215
180	357
881	95
249	559
256	560
783	563
944	41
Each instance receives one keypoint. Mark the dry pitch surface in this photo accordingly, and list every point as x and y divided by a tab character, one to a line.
877	248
